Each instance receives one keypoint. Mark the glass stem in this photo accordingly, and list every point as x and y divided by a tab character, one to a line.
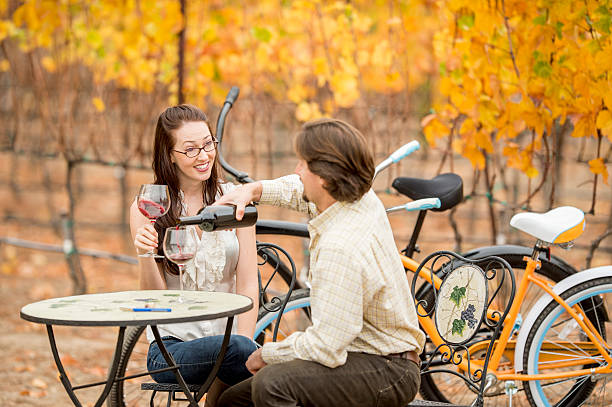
180	266
152	220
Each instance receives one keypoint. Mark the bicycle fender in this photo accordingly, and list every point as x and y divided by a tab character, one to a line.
560	267
559	288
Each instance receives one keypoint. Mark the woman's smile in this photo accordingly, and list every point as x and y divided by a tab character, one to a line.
203	168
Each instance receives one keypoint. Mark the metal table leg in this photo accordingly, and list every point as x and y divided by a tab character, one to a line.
211	377
213	373
64	377
171	363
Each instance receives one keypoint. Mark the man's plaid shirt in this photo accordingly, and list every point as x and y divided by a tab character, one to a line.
360	297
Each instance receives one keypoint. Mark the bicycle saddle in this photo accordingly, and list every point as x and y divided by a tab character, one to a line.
559	225
446	187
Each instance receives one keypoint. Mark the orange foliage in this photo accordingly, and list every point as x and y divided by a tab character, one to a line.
504	67
513	66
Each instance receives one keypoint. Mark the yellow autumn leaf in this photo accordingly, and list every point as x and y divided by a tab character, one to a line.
604	122
363	57
328	107
99	104
607	97
5	65
5	27
475	156
319	66
483	140
307	111
446	86
433	130
297	93
584	126
207	68
345	88
463	102
604	59
532	172
598	167
48	63
394	82
582	85
382	55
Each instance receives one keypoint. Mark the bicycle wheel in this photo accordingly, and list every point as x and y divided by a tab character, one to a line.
446	387
296	317
556	336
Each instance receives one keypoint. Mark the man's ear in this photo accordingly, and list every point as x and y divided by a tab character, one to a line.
322	182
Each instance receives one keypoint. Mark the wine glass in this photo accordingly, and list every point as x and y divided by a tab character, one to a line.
180	246
153	202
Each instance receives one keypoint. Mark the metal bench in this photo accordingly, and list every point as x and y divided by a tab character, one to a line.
459	309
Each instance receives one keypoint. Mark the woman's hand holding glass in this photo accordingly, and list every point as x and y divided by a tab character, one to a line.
180	246
145	240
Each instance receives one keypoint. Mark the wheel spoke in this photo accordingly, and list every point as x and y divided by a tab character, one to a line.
557	339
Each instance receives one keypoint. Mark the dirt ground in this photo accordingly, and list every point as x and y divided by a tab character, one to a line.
29	376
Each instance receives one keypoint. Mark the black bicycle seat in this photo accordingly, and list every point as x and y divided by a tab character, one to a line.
446	187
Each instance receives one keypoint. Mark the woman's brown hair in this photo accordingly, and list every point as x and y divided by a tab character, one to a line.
165	171
337	152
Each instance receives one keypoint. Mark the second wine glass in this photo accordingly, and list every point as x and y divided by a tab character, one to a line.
180	246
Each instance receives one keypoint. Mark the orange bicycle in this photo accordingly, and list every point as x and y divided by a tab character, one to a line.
559	351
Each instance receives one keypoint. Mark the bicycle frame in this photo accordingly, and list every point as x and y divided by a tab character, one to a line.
504	344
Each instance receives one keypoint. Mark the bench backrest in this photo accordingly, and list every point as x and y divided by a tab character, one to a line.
467	309
277	274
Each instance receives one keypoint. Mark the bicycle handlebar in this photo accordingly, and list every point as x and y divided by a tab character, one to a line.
397	156
232	95
240	176
418	205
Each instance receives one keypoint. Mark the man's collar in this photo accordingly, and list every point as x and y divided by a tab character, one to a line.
319	222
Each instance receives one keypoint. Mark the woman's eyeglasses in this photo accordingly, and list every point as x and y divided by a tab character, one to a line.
193	152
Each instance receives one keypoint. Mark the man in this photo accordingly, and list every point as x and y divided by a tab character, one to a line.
362	348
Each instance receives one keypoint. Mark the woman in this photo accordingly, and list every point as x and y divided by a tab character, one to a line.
185	159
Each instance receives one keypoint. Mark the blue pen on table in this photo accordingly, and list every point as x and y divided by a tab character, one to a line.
146	309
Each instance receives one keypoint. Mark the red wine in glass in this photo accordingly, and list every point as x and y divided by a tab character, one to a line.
180	258
150	209
180	246
153	202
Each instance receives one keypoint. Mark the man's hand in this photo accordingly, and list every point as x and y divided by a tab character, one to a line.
255	362
241	197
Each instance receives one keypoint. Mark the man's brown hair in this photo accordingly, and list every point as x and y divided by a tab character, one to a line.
339	154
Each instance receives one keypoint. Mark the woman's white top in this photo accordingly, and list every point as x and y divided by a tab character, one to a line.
212	269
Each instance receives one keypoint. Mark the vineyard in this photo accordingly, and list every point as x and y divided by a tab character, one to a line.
513	95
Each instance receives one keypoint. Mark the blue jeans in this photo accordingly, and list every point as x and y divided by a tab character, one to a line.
196	359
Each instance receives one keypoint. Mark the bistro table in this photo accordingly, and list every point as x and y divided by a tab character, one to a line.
140	308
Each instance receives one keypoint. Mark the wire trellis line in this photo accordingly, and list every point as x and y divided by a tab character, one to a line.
67	248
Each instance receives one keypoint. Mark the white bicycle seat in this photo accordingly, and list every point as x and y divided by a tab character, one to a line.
559	225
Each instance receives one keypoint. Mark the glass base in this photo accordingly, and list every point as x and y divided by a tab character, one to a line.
154	255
